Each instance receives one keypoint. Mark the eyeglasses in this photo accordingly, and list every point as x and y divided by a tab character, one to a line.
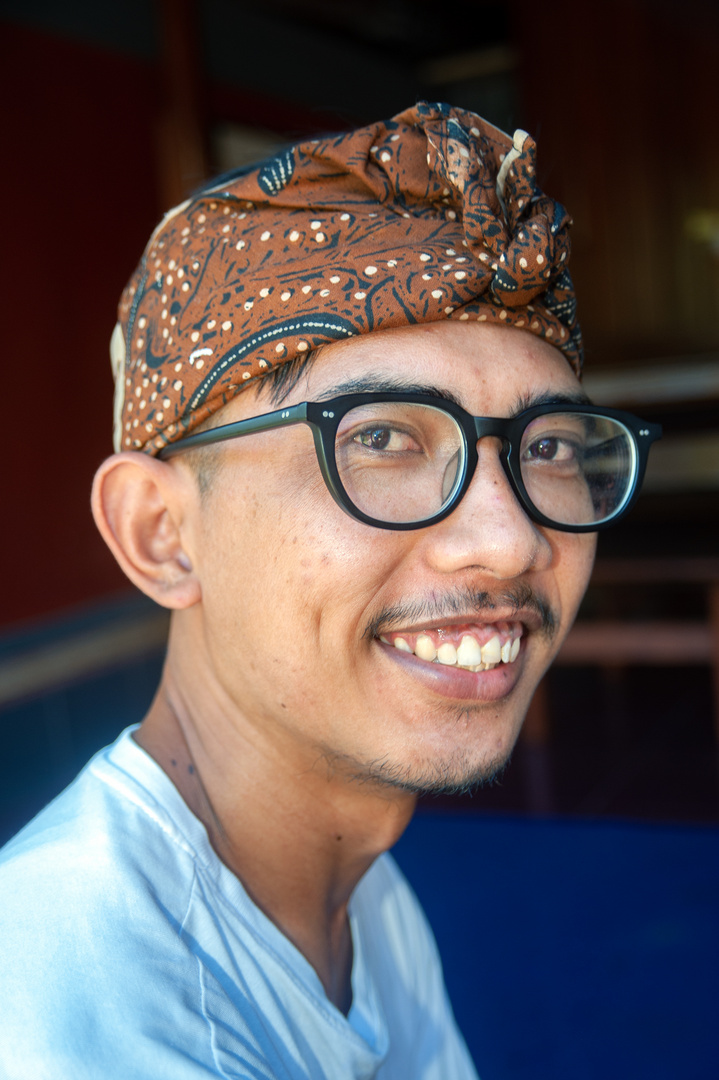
405	460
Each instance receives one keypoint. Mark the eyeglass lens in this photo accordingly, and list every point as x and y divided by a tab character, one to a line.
401	462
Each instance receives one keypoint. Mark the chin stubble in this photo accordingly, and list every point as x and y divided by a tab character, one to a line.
453	777
457	773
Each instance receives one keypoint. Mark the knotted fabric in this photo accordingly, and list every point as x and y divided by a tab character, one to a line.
435	214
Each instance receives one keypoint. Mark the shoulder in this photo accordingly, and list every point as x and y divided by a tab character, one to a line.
92	898
97	845
399	949
393	921
386	890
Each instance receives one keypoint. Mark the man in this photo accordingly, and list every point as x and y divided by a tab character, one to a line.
365	590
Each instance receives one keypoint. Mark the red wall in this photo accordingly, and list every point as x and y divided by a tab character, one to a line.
78	199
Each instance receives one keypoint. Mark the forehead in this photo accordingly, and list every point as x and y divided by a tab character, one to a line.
491	370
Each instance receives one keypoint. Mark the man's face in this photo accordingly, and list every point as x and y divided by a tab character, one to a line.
311	619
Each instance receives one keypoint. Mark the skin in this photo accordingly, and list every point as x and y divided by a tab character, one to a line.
290	729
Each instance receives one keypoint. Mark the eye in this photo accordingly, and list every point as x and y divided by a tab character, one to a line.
552	448
389	439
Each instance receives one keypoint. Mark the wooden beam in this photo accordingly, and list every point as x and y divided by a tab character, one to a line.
182	155
601	642
80	656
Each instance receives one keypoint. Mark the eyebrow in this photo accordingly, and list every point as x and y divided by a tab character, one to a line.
549	397
382	385
369	384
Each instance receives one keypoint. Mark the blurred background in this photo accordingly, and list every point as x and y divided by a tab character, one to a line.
111	113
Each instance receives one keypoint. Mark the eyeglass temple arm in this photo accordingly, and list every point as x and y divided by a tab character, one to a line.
295	414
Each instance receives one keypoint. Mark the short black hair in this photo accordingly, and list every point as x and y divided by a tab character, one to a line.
276	384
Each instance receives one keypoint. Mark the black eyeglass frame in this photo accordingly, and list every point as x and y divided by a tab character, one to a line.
324	418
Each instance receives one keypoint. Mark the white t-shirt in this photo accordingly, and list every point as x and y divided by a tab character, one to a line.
128	951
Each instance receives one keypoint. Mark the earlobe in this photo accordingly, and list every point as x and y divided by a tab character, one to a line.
140	506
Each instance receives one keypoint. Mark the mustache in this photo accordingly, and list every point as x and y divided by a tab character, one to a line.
465	601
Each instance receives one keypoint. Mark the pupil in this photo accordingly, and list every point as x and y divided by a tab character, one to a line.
546	448
379	438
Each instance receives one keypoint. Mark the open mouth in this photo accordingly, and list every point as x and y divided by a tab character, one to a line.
471	647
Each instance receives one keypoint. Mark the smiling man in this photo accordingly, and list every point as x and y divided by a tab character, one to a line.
372	553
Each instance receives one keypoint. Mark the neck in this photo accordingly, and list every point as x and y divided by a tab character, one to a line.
296	827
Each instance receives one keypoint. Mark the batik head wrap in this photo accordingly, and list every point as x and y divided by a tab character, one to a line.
432	215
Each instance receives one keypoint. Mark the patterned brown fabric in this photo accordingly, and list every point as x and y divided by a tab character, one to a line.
432	215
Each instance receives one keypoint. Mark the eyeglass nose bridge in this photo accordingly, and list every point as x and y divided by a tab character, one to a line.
505	431
490	425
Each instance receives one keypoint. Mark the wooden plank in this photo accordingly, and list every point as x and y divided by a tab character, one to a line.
700	571
622	643
694	377
80	656
182	156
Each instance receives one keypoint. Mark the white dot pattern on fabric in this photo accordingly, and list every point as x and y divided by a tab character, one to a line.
349	264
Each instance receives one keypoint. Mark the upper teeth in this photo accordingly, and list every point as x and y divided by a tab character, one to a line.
468	654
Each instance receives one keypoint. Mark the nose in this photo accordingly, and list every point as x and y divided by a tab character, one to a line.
489	530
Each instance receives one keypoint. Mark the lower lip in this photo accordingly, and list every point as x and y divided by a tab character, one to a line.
453	682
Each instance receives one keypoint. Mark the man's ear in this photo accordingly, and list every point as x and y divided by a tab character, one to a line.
140	505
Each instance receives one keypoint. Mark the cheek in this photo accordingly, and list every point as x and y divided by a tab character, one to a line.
573	562
285	566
